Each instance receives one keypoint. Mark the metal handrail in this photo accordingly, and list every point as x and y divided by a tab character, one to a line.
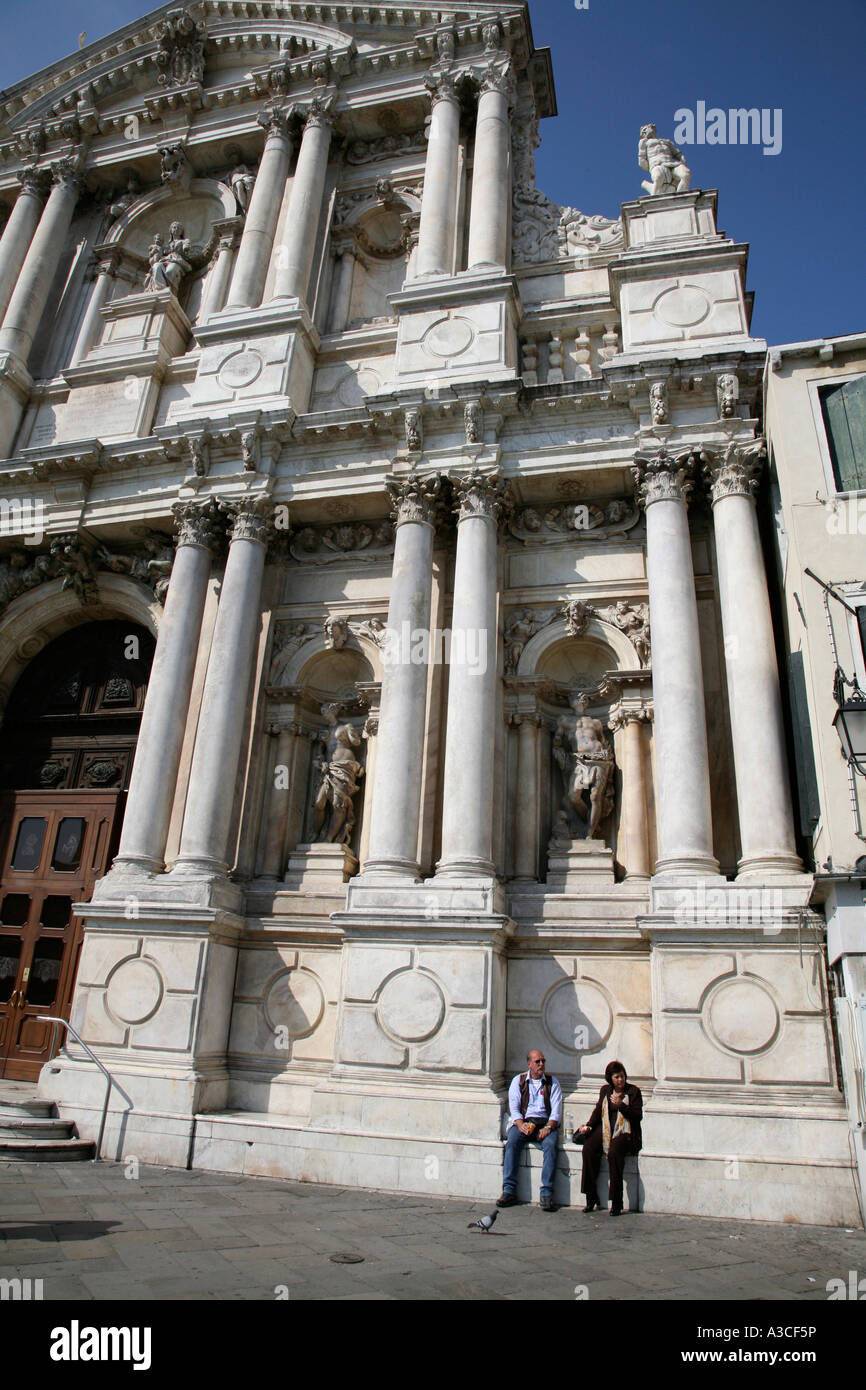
49	1018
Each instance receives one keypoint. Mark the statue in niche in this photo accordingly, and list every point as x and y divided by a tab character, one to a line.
665	164
585	757
242	183
170	261
338	784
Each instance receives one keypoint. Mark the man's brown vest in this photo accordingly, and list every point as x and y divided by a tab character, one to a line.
524	1092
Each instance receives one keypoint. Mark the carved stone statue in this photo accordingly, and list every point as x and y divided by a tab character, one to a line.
338	784
659	402
242	183
522	627
169	261
665	164
336	633
727	391
585	757
634	622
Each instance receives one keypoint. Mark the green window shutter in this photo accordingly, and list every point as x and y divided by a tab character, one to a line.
844	409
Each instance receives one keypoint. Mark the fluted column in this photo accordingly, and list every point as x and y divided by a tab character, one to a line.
298	244
18	232
90	324
526	808
634	853
685	828
260	224
218	280
760	760
470	735
283	738
439	206
491	174
219	737
163	721
30	295
399	768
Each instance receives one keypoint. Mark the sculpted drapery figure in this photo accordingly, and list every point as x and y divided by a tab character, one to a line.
585	757
169	261
338	784
665	164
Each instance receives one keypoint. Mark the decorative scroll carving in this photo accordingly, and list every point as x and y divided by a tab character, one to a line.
583	518
324	545
659	402
584	755
727	394
369	151
473	422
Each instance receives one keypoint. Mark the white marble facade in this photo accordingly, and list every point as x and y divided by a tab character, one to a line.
464	732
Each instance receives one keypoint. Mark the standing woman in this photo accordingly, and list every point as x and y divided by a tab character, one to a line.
613	1128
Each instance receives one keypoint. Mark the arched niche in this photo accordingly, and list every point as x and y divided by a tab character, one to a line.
206	202
555	646
34	619
339	669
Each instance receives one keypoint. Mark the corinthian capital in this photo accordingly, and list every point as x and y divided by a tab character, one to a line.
481	494
320	112
663	477
441	85
498	77
415	499
67	173
736	471
274	120
251	519
34	181
199	523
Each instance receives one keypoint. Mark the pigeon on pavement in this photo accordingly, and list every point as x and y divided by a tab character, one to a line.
483	1223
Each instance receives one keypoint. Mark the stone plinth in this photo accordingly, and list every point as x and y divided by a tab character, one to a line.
583	861
316	867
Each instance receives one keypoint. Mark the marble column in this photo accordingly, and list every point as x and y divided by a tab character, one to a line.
222	720
18	232
760	759
526	809
217	285
283	738
634	851
393	848
470	735
685	827
163	722
30	295
435	254
298	244
491	173
260	224
99	296
343	243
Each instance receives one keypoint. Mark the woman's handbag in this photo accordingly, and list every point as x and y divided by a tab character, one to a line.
578	1138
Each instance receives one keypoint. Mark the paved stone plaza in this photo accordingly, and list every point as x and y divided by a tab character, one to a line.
92	1233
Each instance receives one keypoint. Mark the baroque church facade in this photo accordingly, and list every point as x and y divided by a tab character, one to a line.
386	653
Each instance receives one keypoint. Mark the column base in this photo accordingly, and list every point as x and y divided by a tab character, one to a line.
686	865
387	870
470	867
759	865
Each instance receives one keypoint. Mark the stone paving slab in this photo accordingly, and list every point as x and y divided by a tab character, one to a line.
92	1233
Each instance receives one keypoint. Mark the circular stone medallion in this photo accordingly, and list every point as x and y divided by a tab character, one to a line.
578	1016
742	1017
355	387
682	307
239	370
134	991
411	1007
295	1002
449	337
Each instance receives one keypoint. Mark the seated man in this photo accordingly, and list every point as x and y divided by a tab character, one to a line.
535	1103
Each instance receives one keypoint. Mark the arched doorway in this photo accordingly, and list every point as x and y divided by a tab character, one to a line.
66	751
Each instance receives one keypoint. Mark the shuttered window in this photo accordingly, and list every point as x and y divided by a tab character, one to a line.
844	410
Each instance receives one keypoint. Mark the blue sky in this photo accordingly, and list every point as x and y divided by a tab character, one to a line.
620	63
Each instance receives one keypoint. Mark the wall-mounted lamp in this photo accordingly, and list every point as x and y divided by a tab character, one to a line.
849	721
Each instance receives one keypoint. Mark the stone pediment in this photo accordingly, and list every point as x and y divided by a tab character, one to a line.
245	51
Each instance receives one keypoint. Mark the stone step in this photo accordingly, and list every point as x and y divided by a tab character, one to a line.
30	1127
27	1109
45	1150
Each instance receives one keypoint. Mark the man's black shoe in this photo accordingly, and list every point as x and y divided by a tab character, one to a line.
546	1203
590	1206
508	1199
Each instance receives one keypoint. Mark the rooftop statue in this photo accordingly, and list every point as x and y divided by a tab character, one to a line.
665	164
